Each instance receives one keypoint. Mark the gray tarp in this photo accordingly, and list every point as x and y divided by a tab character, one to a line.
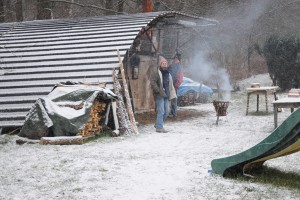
54	115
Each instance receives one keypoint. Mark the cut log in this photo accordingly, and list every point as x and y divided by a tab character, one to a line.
107	113
62	140
22	140
114	108
92	126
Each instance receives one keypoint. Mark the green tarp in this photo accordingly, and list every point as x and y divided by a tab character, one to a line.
63	112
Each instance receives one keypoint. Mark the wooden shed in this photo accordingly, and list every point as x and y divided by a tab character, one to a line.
36	55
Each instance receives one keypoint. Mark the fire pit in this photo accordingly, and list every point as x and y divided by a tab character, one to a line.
221	108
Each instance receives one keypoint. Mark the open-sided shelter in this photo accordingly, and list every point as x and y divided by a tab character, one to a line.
36	55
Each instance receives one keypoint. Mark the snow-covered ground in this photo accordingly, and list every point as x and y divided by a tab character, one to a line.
150	165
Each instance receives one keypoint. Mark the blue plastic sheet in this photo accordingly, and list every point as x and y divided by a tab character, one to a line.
190	85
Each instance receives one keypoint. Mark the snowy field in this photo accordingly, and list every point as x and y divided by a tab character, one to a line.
164	166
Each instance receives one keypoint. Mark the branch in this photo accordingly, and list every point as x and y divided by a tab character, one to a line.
82	5
283	5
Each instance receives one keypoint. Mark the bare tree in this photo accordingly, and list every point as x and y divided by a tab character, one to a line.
44	9
2	19
109	6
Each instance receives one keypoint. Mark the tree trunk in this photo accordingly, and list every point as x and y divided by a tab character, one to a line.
19	10
29	10
44	9
2	19
9	12
71	9
121	6
109	5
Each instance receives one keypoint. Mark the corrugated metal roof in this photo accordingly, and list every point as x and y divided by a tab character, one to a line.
36	55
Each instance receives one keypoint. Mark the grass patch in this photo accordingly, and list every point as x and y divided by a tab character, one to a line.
276	177
260	113
103	134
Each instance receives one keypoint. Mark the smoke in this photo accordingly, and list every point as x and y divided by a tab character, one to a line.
219	47
203	70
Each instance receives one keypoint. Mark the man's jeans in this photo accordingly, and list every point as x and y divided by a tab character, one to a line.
162	109
174	107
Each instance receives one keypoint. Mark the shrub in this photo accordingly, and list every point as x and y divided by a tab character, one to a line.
282	55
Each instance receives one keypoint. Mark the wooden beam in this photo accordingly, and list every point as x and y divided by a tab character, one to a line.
128	100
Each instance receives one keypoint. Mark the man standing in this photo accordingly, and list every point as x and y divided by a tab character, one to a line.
177	76
163	91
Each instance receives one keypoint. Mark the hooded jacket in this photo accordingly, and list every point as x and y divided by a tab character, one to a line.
157	85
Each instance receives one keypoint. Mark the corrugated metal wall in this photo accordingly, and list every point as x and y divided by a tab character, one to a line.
36	55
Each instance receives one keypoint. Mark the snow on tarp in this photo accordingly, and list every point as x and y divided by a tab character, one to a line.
55	114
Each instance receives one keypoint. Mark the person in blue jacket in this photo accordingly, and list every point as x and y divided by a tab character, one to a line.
176	72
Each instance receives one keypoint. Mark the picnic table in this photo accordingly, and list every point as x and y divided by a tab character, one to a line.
288	102
261	91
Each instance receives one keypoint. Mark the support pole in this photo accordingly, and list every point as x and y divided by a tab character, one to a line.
257	102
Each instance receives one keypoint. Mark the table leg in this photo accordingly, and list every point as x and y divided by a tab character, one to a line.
248	96
275	96
266	98
257	103
275	116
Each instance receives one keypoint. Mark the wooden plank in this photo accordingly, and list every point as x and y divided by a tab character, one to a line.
128	100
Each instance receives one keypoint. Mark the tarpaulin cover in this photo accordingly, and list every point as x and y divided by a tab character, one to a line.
190	85
55	115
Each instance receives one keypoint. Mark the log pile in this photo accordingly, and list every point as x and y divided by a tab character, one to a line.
93	126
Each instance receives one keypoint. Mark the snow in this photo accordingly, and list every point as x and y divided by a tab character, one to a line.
150	165
289	100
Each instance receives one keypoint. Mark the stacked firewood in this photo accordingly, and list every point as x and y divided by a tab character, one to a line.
93	126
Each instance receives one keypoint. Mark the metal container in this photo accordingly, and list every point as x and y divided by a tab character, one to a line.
221	107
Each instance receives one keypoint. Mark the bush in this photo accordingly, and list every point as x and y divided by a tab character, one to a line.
282	55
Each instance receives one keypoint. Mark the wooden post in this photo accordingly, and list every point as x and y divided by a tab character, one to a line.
275	115
257	102
248	97
219	92
107	113
128	100
266	99
114	109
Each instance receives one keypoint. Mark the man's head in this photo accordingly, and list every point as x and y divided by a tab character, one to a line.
163	63
177	58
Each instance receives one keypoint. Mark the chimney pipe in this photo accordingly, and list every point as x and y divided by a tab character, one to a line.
147	6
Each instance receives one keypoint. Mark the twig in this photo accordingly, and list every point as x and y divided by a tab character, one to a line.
90	6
